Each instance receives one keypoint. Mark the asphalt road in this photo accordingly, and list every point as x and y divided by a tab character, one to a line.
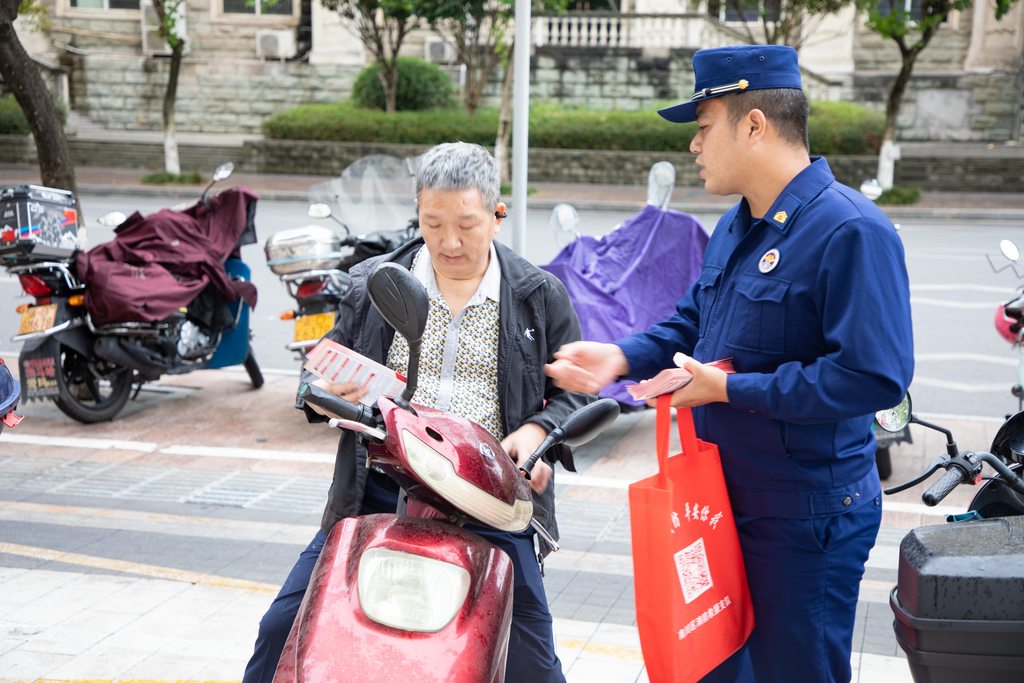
963	366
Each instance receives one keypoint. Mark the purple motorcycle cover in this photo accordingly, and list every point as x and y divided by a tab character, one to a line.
631	278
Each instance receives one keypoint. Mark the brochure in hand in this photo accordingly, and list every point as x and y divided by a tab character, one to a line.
672	379
338	364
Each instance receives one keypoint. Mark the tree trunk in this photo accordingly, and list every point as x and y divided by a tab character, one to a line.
22	77
505	122
388	76
171	163
890	152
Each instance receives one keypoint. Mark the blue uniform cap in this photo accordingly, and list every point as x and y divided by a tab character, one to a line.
739	68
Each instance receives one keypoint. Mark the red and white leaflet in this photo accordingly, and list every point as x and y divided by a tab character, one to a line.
339	365
672	379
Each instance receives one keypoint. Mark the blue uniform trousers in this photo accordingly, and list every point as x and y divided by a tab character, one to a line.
804	577
531	648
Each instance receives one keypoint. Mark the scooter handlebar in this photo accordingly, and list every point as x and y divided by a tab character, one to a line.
336	405
953	477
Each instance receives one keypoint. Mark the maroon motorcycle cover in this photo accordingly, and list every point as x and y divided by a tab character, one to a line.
159	263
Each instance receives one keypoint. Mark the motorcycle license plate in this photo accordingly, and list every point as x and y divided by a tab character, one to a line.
313	326
37	318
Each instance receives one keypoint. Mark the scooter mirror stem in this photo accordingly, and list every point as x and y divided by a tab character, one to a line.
951	447
556	436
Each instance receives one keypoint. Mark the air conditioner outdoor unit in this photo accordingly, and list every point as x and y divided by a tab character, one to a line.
153	43
275	44
438	51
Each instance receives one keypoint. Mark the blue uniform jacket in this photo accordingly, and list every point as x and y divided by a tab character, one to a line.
819	342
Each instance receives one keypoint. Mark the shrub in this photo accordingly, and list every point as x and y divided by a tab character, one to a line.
900	195
843	129
165	178
420	85
13	121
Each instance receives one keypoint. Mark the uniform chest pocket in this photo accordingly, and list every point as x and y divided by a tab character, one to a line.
758	319
707	288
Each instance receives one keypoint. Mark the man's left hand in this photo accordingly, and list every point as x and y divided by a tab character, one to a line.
521	444
707	386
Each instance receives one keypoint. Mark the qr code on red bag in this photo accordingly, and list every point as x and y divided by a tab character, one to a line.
694	572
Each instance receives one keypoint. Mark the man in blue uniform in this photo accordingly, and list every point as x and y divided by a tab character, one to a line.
804	286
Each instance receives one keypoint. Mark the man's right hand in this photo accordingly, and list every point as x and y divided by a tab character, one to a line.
585	367
350	391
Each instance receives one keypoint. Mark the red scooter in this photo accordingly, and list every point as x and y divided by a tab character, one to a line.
413	596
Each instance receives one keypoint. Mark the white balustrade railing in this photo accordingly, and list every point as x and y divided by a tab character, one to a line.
632	30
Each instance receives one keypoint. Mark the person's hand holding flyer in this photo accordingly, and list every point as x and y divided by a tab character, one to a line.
670	380
340	365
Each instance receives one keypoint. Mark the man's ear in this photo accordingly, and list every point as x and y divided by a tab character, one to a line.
499	214
757	125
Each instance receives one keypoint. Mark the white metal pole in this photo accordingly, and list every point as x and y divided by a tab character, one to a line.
520	124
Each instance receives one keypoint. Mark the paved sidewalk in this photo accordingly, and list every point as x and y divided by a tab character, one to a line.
148	547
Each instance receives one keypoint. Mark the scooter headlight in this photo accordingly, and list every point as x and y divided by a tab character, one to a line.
439	473
410	592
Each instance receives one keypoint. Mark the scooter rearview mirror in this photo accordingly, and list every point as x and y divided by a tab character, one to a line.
403	302
111	219
589	421
223	171
319	210
895	419
401	299
1009	249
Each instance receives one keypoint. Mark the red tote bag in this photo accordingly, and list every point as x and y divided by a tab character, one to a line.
693	606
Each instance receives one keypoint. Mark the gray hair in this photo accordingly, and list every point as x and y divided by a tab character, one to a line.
460	166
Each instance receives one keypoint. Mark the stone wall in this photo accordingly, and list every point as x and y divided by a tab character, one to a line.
125	92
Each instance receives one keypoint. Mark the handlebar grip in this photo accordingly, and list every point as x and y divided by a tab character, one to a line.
336	405
953	477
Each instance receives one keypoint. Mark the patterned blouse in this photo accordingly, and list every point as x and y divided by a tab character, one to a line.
459	354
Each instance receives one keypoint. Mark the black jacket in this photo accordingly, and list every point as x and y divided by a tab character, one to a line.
531	300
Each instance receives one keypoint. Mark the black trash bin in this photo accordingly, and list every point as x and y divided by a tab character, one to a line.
959	604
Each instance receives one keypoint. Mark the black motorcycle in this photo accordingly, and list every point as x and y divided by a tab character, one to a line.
88	365
959	600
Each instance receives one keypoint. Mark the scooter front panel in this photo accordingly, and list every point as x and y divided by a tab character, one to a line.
334	640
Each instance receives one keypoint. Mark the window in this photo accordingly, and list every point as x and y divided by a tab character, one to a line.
254	7
104	4
912	7
747	10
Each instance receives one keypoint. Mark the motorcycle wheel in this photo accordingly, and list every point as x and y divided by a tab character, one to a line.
250	365
884	463
91	391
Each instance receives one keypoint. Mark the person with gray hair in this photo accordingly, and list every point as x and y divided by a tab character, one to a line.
494	321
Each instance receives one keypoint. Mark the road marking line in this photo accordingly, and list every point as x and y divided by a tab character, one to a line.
146	447
966	387
918	508
959	357
944	303
181	525
962	287
572	479
76	442
137	568
618	652
250	453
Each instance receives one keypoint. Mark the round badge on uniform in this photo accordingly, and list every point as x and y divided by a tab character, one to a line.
769	261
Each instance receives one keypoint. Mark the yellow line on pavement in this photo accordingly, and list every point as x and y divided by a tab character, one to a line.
137	568
606	650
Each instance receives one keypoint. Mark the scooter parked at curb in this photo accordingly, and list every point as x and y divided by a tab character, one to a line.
959	600
414	595
167	296
374	194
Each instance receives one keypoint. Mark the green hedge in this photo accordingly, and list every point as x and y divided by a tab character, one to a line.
835	127
12	119
419	85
